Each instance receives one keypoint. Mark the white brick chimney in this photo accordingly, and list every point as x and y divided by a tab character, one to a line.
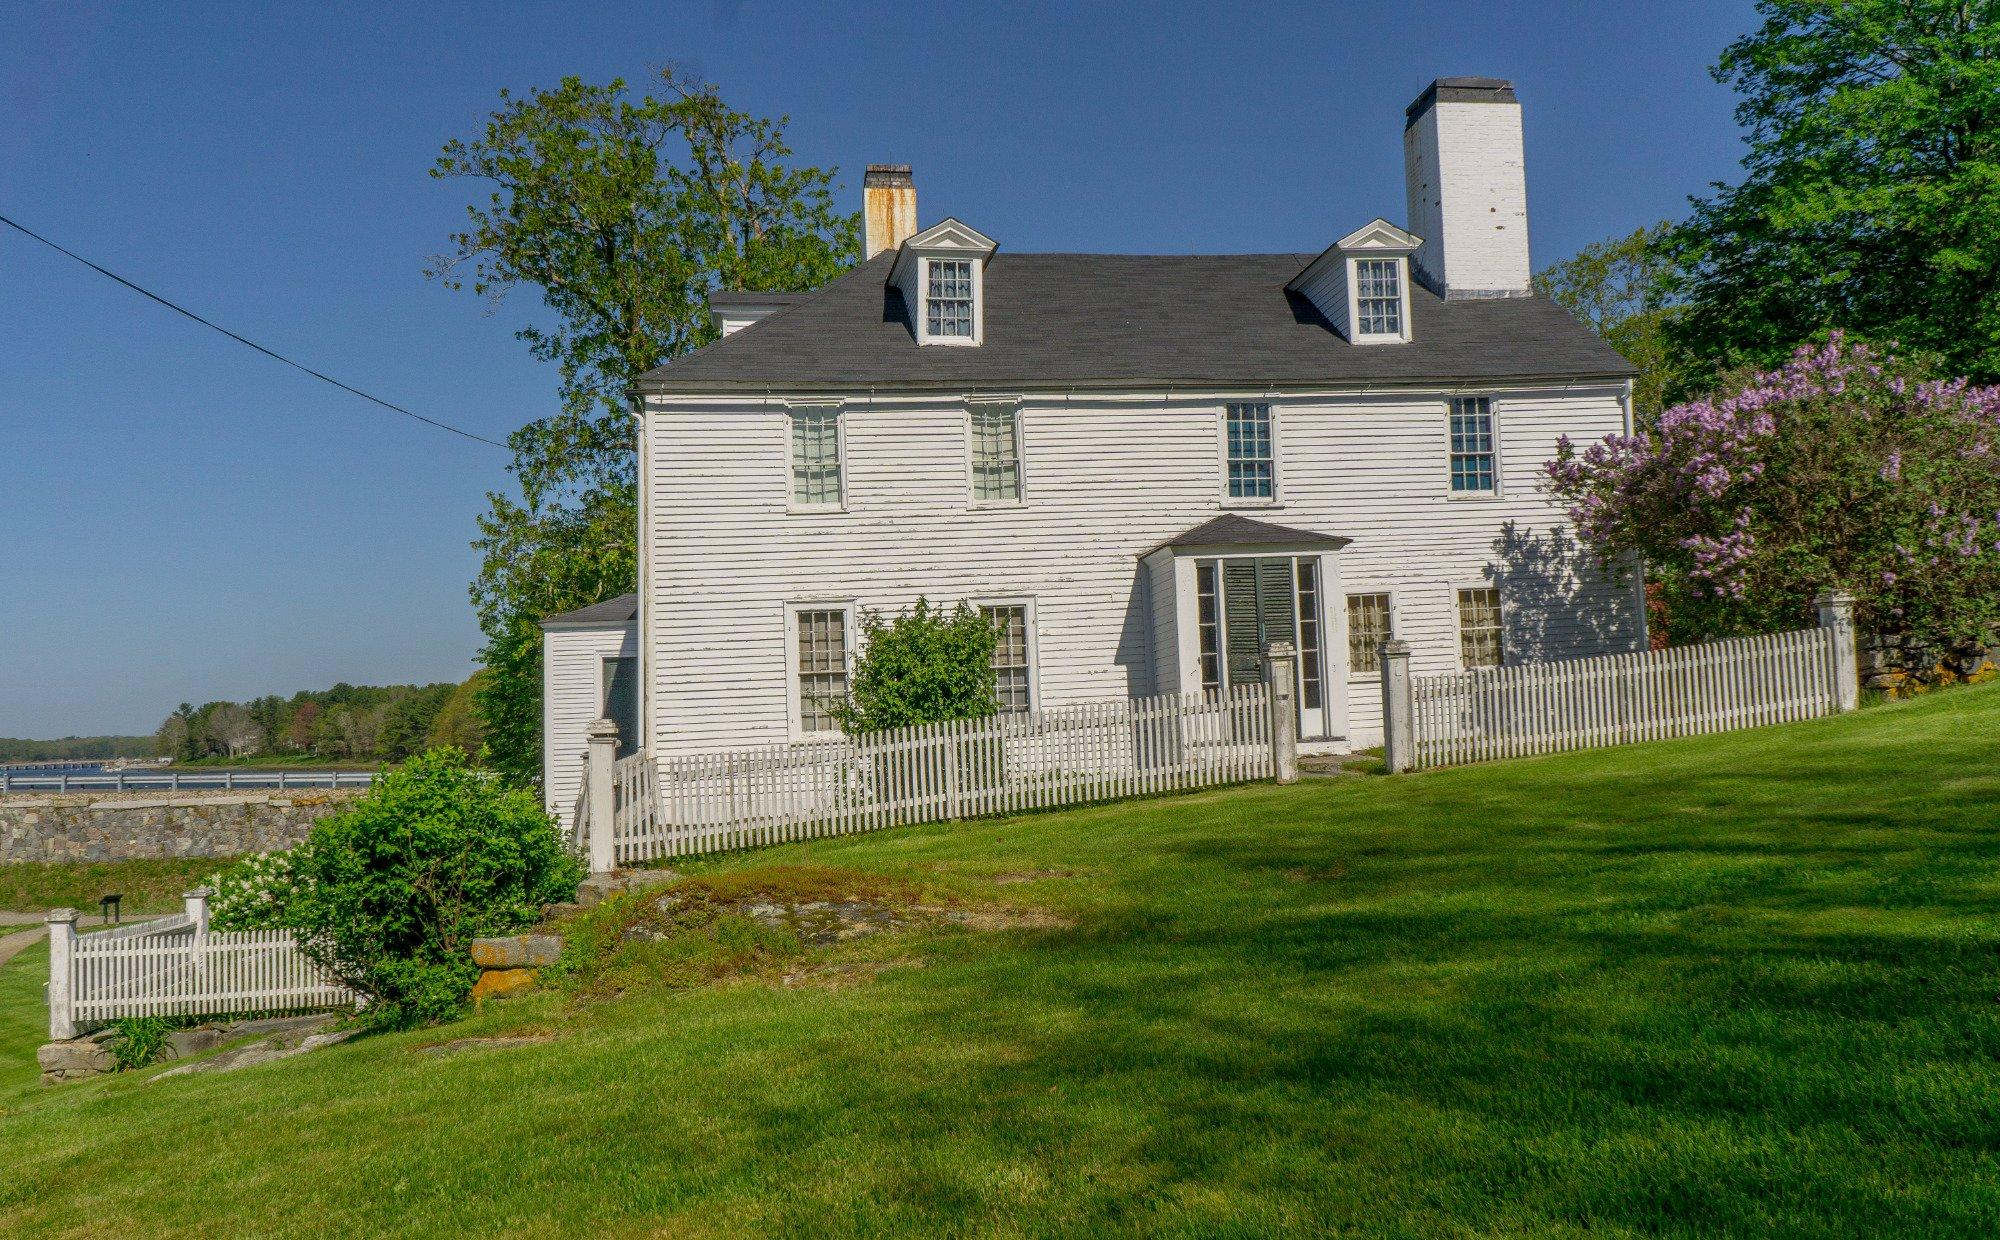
1466	176
888	208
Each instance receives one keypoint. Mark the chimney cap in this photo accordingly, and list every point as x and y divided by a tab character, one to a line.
1462	90
886	174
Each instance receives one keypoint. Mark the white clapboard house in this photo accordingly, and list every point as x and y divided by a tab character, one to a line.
1144	467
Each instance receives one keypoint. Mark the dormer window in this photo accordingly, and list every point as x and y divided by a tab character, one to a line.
1378	289
1361	283
948	299
941	273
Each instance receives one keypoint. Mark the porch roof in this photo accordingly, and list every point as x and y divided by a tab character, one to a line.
1234	530
612	611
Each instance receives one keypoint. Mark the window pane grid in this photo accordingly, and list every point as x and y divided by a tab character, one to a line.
1309	643
996	455
1367	629
1479	628
1251	473
822	668
948	298
1472	466
1207	623
1378	291
816	456
1010	659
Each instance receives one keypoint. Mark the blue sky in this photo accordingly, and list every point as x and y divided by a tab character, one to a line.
181	519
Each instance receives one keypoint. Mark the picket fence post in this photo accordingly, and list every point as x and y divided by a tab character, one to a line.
1836	613
1281	673
1399	733
602	735
62	957
196	904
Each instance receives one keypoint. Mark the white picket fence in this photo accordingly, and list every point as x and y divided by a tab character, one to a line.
962	769
176	966
1511	712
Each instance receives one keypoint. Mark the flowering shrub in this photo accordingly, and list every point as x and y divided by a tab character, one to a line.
1842	468
390	892
253	893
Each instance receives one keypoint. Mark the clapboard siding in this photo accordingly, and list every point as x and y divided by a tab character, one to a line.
573	696
1106	480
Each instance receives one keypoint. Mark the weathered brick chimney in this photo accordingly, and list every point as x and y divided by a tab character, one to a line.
1467	182
888	208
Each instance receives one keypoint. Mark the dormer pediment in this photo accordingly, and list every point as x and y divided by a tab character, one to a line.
1379	234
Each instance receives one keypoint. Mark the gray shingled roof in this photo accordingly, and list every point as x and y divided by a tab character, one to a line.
1062	321
1233	529
621	610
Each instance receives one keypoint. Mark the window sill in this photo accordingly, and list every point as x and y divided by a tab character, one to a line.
1267	505
981	504
812	510
1474	497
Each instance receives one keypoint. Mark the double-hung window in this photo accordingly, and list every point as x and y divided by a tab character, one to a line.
1473	470
1013	691
948	298
820	666
1368	626
1378	295
996	454
1252	467
816	457
1479	628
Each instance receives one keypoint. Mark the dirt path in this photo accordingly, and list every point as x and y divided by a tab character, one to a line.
11	945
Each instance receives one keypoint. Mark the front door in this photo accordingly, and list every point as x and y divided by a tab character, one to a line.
1267	599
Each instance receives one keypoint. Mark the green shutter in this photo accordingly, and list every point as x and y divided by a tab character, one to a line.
1258	608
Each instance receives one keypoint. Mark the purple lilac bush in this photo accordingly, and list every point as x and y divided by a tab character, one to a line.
1845	467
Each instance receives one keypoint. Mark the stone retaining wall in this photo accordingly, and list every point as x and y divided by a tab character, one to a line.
1901	667
122	826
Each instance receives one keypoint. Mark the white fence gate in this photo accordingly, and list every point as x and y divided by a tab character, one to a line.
961	769
1511	712
176	966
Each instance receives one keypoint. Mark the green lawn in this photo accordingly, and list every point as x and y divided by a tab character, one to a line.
148	886
1743	985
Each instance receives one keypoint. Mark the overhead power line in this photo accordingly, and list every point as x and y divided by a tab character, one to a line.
25	231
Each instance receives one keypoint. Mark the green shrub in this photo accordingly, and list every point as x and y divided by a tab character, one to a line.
925	666
389	893
136	1041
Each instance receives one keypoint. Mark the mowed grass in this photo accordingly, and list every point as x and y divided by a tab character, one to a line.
1744	985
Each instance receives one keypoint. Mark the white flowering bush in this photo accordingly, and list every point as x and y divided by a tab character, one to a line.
253	893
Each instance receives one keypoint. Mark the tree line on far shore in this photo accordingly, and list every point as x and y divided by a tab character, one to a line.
386	723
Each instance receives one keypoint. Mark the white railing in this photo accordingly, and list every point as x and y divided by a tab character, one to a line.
1511	712
961	769
182	781
176	966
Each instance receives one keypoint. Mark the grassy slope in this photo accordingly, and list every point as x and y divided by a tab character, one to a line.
148	886
1741	985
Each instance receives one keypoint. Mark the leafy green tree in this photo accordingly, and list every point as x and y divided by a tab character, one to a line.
924	666
458	723
1871	201
407	719
624	214
1619	289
